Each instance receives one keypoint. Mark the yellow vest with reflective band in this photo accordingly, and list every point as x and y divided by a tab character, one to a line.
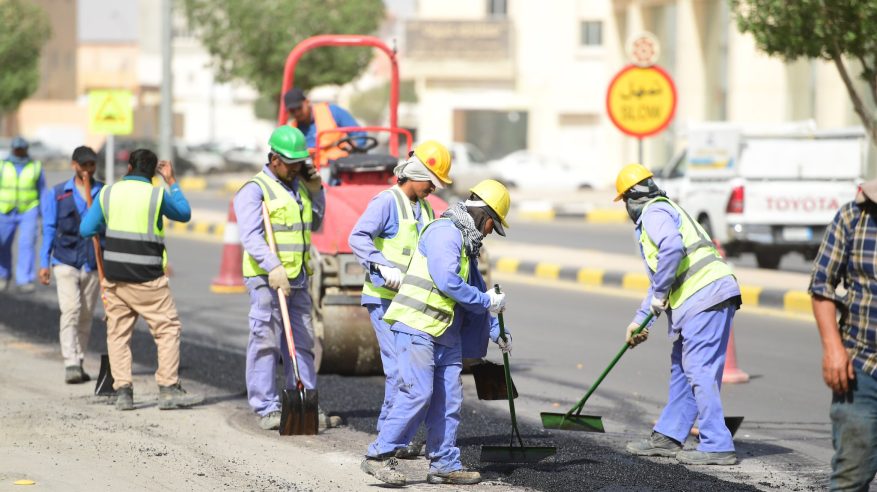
701	265
134	250
419	303
19	191
399	249
291	224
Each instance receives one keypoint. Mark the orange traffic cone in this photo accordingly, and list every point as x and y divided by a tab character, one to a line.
231	275
732	373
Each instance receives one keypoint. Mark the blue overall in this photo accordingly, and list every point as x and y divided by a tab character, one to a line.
699	328
429	368
26	224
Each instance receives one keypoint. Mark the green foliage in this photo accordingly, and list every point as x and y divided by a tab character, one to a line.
250	41
372	105
25	29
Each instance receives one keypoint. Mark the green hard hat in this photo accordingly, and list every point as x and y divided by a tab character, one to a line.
289	142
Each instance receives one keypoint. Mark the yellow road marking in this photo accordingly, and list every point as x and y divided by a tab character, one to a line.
547	270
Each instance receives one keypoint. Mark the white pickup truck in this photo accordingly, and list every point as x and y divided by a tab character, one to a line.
767	191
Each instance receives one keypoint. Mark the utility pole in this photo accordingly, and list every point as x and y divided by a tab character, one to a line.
165	120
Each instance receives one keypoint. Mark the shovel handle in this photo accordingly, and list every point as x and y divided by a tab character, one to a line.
577	409
508	378
284	309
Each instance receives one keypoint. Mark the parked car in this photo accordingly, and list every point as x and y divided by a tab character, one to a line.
51	157
123	146
468	169
525	170
245	158
205	158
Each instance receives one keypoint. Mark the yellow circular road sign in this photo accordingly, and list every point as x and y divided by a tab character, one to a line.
641	101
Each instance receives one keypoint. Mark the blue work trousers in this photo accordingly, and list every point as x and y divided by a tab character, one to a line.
697	361
429	387
267	344
854	435
387	343
26	224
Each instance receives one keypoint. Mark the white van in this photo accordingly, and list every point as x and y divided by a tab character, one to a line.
769	190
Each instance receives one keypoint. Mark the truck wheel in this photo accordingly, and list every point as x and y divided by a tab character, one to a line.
768	260
704	221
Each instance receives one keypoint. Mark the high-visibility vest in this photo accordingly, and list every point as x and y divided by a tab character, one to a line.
398	249
701	265
324	120
291	224
419	303
19	191
134	250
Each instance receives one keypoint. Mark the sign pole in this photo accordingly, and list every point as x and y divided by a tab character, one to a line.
111	158
639	150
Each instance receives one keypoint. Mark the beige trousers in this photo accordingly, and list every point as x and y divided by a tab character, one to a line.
78	292
151	300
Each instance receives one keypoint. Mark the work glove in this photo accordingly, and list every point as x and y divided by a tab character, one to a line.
277	279
657	305
497	302
505	345
634	340
311	177
392	276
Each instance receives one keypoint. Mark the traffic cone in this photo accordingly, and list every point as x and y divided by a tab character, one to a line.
231	275
732	373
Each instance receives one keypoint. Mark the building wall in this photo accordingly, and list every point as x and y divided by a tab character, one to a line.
58	58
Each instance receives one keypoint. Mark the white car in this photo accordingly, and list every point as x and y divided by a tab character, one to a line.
525	170
469	167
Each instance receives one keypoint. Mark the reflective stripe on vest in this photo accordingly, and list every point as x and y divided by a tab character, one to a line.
419	303
134	250
701	265
399	249
291	225
19	191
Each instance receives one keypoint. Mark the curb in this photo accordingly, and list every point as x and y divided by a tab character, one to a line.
197	228
792	301
546	211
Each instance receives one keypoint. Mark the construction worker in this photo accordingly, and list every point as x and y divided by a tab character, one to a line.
313	118
384	239
296	201
699	293
21	184
440	315
135	283
72	259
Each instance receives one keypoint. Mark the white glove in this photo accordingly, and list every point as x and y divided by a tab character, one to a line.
497	302
657	305
505	346
277	279
392	276
634	340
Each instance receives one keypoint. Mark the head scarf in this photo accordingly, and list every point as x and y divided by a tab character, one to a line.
459	215
636	197
415	170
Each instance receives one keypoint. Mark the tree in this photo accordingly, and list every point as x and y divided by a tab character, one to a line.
26	30
834	30
250	41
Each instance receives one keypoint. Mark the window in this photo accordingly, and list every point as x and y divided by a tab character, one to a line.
497	8
591	33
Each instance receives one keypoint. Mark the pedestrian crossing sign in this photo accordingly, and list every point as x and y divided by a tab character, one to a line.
110	112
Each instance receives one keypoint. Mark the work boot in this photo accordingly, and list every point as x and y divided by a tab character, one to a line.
84	375
27	288
270	421
328	421
695	457
656	445
457	477
174	396
73	375
125	398
383	470
409	452
4	283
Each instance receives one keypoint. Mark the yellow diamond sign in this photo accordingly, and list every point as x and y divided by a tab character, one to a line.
110	112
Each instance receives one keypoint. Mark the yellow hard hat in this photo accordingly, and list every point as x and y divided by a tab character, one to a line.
436	158
495	195
630	175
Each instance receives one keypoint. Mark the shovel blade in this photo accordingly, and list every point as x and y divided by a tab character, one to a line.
516	454
104	384
490	381
299	414
562	421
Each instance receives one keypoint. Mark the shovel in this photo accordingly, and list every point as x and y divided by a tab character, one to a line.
512	453
299	414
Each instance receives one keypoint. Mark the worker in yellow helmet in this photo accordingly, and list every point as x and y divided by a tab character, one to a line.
692	284
441	314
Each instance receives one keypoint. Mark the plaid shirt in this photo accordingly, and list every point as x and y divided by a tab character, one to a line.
849	253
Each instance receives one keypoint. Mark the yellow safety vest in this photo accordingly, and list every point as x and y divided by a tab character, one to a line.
291	224
419	303
134	250
398	249
701	265
19	191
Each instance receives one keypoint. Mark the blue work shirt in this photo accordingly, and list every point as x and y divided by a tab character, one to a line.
380	219
662	223
341	117
174	206
49	207
19	163
473	323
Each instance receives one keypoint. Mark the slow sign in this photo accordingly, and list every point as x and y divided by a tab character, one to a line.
641	101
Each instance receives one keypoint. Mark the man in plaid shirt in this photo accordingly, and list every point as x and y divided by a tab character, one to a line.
849	363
